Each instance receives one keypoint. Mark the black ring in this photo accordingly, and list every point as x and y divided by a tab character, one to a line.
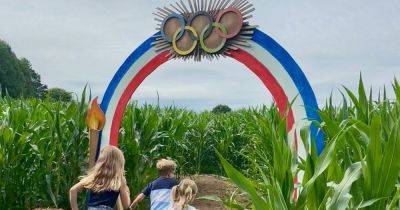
210	21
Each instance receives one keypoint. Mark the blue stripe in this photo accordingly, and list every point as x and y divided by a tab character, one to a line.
299	80
142	49
132	58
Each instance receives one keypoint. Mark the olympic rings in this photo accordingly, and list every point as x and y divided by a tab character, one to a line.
228	23
203	45
174	40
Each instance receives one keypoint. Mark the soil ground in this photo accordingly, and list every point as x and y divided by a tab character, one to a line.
208	185
213	185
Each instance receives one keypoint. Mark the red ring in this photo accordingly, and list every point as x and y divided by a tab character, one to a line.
239	26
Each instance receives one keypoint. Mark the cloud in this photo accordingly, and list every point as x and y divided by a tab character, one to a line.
71	43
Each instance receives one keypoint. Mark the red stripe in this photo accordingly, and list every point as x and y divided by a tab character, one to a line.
242	56
269	81
274	88
128	92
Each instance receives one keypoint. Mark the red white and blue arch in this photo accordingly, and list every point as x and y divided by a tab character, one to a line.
265	58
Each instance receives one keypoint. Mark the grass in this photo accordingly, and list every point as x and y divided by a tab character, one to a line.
43	151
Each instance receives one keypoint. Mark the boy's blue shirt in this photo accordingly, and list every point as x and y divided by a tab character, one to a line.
159	192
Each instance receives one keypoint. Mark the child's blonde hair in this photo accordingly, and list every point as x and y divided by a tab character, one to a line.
108	173
165	167
187	189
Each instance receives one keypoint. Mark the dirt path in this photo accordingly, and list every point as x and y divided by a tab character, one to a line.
213	185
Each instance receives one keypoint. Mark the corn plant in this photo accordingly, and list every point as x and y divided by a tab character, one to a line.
43	151
358	169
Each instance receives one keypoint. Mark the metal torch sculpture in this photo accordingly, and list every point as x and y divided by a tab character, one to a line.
95	121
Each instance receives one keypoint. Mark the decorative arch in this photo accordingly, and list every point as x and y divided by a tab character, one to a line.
265	58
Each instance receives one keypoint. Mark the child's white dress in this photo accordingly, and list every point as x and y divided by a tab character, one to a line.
187	208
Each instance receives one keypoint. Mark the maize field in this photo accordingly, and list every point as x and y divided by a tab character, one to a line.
44	148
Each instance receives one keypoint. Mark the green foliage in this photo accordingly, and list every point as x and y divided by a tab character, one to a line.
43	150
58	94
33	85
358	169
221	109
245	184
17	78
43	146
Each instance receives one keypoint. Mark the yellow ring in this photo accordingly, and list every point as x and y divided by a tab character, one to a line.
184	52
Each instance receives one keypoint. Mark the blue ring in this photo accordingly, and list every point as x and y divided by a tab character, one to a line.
182	22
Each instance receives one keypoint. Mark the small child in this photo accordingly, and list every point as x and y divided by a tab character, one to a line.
104	182
159	190
183	195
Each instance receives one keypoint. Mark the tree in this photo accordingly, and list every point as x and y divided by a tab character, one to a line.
17	76
10	75
33	85
221	109
59	94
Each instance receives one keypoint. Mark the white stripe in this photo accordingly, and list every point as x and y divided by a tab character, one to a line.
290	89
161	195
123	84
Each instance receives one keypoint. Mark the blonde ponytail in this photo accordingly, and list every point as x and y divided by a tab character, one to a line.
184	193
175	194
189	194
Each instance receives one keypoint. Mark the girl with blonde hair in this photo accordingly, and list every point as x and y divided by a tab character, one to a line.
104	182
183	195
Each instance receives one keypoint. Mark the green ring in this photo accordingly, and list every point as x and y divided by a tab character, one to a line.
214	50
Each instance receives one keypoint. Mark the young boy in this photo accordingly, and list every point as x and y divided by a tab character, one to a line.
159	190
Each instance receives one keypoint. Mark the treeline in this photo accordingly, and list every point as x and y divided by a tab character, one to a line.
19	79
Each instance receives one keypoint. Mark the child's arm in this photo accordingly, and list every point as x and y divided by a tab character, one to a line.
125	195
73	194
138	198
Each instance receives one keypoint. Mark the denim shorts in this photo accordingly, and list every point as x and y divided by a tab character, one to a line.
101	207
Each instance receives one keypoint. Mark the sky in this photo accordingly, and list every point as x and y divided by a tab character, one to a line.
71	43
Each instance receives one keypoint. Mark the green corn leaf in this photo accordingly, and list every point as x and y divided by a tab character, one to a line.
341	192
362	96
50	190
244	184
394	203
368	203
390	165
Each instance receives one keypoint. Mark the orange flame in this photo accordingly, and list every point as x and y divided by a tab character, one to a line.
95	118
